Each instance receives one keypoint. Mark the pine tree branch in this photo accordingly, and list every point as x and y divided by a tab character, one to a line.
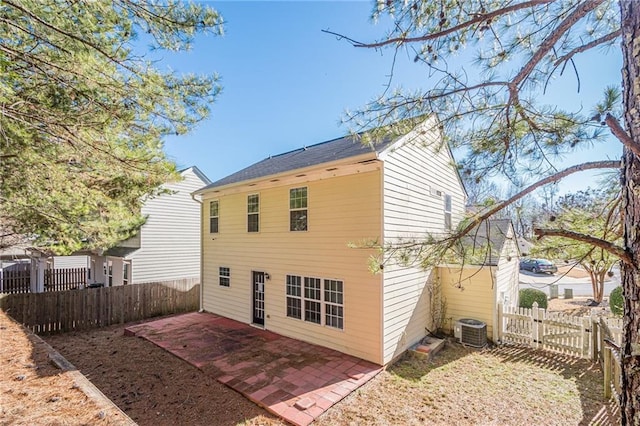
451	240
475	20
603	244
607	164
621	134
580	12
71	36
590	45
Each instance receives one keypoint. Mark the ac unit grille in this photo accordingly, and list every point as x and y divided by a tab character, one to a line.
473	332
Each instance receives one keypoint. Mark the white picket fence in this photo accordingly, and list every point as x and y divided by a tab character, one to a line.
554	331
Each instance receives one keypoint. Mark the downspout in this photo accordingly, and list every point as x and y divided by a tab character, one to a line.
201	309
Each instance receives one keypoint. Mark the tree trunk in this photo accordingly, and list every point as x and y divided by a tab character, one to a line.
593	275
601	277
630	274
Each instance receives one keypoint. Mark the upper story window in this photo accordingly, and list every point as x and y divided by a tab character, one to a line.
447	212
214	216
253	213
298	216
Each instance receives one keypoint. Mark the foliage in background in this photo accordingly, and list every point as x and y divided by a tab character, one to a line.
616	301
83	114
594	212
528	296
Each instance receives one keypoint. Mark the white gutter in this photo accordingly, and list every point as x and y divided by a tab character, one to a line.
201	309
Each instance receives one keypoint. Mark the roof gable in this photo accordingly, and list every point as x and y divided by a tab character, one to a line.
196	171
487	239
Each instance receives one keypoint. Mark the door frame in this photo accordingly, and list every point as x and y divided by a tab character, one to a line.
257	311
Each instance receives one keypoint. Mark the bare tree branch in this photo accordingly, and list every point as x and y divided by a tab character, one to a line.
603	244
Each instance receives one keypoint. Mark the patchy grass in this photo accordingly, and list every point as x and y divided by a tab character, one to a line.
501	386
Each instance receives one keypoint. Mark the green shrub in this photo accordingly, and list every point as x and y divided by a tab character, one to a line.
529	295
616	302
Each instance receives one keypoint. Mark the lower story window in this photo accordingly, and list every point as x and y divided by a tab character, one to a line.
312	311
318	301
333	295
225	276
294	296
312	307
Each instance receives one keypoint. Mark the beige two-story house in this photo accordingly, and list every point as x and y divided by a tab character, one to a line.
283	240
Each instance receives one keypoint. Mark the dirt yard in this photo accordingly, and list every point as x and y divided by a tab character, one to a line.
35	392
506	386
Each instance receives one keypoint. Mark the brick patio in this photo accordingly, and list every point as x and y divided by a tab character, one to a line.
295	380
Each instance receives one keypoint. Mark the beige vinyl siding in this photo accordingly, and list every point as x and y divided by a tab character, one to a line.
507	274
469	293
413	172
170	239
341	210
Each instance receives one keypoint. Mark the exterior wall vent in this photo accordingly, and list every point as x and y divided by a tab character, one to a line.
471	332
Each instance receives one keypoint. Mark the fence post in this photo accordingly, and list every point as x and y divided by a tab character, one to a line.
607	372
534	325
595	331
500	324
585	353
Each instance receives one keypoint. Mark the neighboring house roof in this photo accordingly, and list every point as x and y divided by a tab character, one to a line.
324	152
525	246
487	240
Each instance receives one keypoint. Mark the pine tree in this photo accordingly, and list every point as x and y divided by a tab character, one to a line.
83	114
494	111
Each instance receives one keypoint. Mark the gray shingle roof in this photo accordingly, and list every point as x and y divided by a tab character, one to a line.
324	152
489	234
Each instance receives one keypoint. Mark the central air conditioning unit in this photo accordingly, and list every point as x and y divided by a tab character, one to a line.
471	332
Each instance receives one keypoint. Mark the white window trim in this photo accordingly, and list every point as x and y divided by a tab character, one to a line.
447	211
222	276
299	209
126	272
323	302
250	213
212	217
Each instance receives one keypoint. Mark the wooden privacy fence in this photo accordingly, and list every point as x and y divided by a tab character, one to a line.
62	311
64	279
19	280
15	281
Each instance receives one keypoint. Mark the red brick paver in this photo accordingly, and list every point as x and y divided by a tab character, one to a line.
295	380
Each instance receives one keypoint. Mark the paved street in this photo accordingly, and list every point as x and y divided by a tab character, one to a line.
580	286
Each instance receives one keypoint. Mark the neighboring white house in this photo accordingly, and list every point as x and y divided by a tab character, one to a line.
278	240
167	248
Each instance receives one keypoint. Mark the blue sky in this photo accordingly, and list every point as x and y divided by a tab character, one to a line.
286	84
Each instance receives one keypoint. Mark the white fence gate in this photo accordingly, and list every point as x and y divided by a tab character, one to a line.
554	331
